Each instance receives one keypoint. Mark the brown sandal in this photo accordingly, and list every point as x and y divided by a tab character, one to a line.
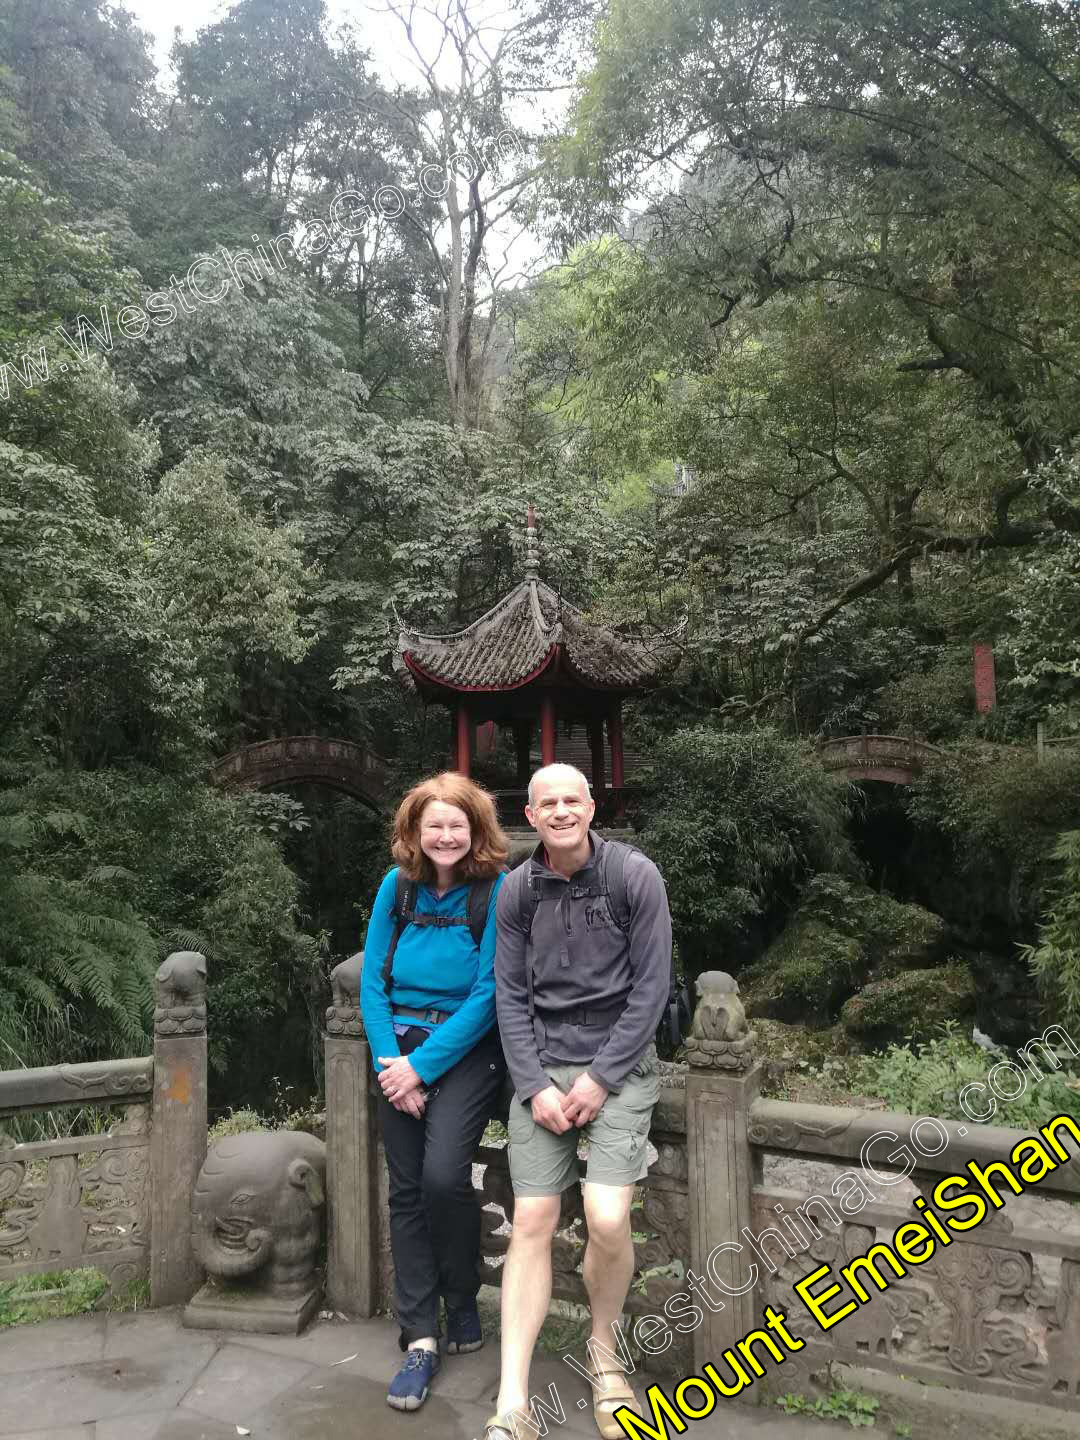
613	1392
501	1427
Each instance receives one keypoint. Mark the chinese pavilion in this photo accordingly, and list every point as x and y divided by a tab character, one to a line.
533	659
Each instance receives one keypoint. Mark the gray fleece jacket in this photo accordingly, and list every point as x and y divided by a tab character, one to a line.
598	993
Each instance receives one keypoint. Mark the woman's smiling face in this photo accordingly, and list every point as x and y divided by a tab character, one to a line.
445	835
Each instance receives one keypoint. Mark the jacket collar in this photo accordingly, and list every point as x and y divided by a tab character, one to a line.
538	862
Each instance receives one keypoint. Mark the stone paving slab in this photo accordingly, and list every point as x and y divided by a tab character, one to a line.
69	1432
144	1377
239	1382
53	1342
78	1394
370	1348
143	1426
146	1332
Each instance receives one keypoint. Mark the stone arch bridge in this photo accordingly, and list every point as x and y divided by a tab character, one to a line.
895	759
307	759
357	771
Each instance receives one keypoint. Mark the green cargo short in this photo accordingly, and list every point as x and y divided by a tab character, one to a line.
543	1163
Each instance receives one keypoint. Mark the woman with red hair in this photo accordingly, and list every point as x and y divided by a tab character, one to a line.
427	996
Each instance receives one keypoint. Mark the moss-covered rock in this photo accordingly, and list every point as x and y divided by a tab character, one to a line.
913	1003
894	935
841	936
804	975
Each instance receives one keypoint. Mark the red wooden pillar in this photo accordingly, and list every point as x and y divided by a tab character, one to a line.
547	729
596	745
463	728
618	778
985	686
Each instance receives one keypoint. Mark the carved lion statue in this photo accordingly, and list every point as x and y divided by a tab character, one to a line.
719	1014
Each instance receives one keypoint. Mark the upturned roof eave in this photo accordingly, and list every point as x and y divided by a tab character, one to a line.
443	682
507	602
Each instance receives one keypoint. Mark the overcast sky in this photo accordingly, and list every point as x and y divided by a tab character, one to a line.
162	17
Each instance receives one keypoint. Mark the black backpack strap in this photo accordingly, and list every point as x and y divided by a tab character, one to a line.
404	913
479	900
613	881
613	860
404	906
528	898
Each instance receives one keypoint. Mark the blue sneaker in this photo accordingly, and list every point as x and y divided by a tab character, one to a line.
463	1330
409	1387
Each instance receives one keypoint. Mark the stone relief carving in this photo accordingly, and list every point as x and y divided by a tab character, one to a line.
719	1038
671	1160
971	1282
976	1310
107	1080
343	1015
77	1205
181	995
665	1213
790	1134
1063	1342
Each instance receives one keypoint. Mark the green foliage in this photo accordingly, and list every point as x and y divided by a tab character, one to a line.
47	1296
911	1004
194	872
1055	960
237	1122
837	312
935	703
1002	813
1045	618
737	823
805	974
928	1078
841	935
854	1406
891	934
76	959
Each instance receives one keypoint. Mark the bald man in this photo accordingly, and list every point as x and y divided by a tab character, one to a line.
582	976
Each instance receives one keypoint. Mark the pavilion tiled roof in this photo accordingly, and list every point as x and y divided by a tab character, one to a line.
519	637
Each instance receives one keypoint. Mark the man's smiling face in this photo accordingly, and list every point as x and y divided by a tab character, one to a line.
561	810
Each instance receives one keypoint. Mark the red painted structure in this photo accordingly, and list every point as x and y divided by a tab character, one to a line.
985	682
532	659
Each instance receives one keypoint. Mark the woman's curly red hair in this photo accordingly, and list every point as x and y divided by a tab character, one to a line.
489	849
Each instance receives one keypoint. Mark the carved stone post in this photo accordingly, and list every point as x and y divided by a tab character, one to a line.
178	1137
352	1155
720	1087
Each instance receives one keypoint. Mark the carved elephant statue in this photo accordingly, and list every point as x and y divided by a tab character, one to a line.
257	1211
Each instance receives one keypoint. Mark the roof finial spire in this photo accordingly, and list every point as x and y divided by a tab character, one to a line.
532	548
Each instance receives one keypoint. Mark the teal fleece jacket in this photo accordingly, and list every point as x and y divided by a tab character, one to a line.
435	968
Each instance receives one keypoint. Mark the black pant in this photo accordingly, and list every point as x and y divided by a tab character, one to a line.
434	1210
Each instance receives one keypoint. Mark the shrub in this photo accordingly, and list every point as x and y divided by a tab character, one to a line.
737	822
1055	961
927	1079
191	870
237	1122
76	960
1003	813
